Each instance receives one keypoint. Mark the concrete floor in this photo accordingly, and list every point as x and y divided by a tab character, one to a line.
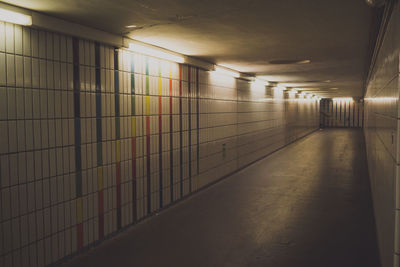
308	205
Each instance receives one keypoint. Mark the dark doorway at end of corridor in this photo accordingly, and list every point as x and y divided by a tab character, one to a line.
341	113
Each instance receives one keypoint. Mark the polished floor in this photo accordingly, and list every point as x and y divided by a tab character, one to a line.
308	205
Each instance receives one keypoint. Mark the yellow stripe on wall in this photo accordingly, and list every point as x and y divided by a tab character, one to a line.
147	105
159	86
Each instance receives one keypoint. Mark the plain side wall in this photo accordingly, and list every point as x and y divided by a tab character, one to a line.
382	140
94	139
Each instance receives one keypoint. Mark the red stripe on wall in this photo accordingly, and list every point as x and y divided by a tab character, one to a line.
134	177
101	215
148	164
80	235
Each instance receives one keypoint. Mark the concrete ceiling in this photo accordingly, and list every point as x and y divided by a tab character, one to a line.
244	35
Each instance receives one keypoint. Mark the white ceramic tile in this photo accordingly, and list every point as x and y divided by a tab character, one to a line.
19	71
49	46
45	133
35	73
43	74
42	44
26	41
27	72
37	135
21	135
12	136
10	64
50	75
9	38
18	39
51	104
20	103
15	212
2	36
3	76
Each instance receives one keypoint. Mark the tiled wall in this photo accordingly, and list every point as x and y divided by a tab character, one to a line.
94	139
382	139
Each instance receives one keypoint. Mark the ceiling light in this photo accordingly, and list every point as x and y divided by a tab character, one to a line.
289	61
343	99
155	52
130	26
15	17
226	71
261	80
381	98
376	3
334	88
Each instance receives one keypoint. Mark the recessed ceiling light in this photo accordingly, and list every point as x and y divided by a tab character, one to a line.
227	71
290	61
131	26
15	17
156	52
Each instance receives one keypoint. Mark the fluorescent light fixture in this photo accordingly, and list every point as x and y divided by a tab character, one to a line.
15	17
381	98
260	82
280	86
130	26
226	71
343	99
155	52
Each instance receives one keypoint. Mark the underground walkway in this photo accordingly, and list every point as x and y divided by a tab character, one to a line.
308	205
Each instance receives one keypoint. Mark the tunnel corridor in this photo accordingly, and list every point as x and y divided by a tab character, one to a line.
200	133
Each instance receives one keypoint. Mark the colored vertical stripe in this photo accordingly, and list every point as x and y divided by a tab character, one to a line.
348	114
160	144
180	134
336	114
362	119
190	126
133	113
198	120
99	140
117	139
77	124
148	137
171	140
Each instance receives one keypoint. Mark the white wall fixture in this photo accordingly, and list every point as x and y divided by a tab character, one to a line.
343	99
154	52
15	17
226	71
260	82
